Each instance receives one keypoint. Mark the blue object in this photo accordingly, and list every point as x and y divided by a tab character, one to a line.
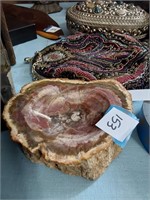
143	127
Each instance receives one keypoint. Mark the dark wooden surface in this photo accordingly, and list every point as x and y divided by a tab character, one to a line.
32	16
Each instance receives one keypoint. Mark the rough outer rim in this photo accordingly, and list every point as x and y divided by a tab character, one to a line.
90	164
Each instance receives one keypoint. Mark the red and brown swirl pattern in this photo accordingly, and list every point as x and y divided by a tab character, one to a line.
95	56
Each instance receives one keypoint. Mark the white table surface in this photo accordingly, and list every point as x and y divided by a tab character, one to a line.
127	178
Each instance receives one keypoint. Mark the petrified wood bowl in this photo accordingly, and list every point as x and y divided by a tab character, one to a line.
54	121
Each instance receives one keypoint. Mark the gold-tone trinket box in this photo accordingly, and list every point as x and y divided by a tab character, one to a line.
108	16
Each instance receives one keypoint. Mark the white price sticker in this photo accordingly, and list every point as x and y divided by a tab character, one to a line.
117	123
52	29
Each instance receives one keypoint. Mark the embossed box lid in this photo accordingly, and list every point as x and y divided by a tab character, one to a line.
108	16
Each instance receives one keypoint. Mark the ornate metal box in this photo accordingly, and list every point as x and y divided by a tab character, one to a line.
108	16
